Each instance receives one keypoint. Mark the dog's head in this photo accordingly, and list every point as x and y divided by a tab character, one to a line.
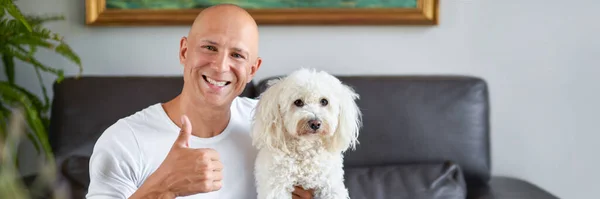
307	105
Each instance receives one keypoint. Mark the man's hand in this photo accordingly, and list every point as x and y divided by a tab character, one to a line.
300	193
185	171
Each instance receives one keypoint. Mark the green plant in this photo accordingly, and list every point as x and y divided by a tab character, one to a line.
20	38
11	185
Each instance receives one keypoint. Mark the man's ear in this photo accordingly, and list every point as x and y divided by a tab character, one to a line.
182	50
254	68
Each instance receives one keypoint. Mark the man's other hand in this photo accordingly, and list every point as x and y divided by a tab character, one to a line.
300	193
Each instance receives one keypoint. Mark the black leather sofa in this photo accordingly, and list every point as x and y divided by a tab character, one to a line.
423	137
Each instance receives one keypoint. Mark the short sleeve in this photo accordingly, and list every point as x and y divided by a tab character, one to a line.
114	164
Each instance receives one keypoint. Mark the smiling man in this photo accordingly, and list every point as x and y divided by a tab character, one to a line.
198	144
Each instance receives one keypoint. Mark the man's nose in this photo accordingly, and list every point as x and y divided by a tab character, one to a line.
222	62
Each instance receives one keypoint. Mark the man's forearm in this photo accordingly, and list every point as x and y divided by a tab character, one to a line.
152	189
150	194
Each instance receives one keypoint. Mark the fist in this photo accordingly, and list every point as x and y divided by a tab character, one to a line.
188	171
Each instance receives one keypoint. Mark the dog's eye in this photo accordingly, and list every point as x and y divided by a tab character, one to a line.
324	102
299	103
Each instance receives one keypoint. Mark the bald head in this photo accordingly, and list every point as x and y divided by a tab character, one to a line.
227	18
225	11
222	46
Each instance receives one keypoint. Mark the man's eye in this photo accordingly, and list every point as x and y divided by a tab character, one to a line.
238	56
210	47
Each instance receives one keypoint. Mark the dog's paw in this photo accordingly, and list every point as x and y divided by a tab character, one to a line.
332	193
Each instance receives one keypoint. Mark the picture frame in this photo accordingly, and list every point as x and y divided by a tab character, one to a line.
426	12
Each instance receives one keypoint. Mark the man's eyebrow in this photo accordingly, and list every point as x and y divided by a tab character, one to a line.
210	42
238	49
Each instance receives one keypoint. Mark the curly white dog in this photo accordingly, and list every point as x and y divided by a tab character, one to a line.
302	125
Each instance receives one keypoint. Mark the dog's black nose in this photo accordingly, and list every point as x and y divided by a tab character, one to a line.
314	124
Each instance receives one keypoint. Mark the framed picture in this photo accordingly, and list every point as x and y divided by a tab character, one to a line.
267	12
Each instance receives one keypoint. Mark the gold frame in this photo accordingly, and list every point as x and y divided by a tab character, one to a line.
426	13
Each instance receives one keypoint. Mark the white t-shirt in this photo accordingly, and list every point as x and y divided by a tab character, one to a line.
132	149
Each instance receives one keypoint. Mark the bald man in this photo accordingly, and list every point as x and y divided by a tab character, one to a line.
198	144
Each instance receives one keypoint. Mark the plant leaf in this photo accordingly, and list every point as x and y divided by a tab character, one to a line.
4	115
66	51
16	13
35	101
32	60
34	142
9	67
2	12
38	20
35	40
46	99
11	94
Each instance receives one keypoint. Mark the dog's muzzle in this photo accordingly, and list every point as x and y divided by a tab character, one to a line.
314	124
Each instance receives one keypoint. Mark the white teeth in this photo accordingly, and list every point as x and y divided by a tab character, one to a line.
215	82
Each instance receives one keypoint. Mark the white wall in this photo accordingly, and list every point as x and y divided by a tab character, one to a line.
539	57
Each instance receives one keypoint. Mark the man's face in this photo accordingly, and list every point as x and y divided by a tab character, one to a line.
219	60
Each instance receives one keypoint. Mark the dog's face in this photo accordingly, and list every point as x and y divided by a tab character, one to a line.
307	105
309	111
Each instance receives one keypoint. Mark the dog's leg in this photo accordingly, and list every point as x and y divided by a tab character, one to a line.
340	192
333	191
334	187
275	189
272	182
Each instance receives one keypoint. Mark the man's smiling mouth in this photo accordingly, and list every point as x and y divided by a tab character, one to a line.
215	82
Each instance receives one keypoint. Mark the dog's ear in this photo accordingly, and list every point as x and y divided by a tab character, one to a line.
272	82
349	122
267	130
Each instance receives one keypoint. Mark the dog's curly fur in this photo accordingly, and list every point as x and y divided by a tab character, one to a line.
302	126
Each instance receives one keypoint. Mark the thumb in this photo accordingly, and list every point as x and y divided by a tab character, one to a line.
185	132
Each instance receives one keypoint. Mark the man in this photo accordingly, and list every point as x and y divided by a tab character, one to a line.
197	144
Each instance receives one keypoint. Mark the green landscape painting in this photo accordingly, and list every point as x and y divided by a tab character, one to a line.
259	4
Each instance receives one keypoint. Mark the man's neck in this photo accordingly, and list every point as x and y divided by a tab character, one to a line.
206	121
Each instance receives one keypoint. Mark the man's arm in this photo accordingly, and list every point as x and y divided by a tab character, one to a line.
114	164
152	190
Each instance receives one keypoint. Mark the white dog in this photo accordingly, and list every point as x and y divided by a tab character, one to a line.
302	125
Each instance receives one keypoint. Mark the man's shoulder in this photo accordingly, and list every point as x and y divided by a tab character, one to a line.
151	115
244	105
246	102
243	108
126	128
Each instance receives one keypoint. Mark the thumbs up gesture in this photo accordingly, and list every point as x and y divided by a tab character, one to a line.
186	171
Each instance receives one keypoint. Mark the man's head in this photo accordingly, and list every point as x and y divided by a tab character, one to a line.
219	55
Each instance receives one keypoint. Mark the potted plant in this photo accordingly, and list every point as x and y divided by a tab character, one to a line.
20	38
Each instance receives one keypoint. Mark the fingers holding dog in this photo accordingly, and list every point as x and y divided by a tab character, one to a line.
300	193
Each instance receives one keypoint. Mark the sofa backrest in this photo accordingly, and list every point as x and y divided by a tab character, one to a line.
83	108
421	119
407	120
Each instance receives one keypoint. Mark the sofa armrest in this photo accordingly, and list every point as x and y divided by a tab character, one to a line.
510	188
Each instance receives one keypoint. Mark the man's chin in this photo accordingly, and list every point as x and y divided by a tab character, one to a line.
217	99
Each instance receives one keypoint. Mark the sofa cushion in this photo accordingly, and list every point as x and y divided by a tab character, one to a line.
410	181
76	170
502	187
